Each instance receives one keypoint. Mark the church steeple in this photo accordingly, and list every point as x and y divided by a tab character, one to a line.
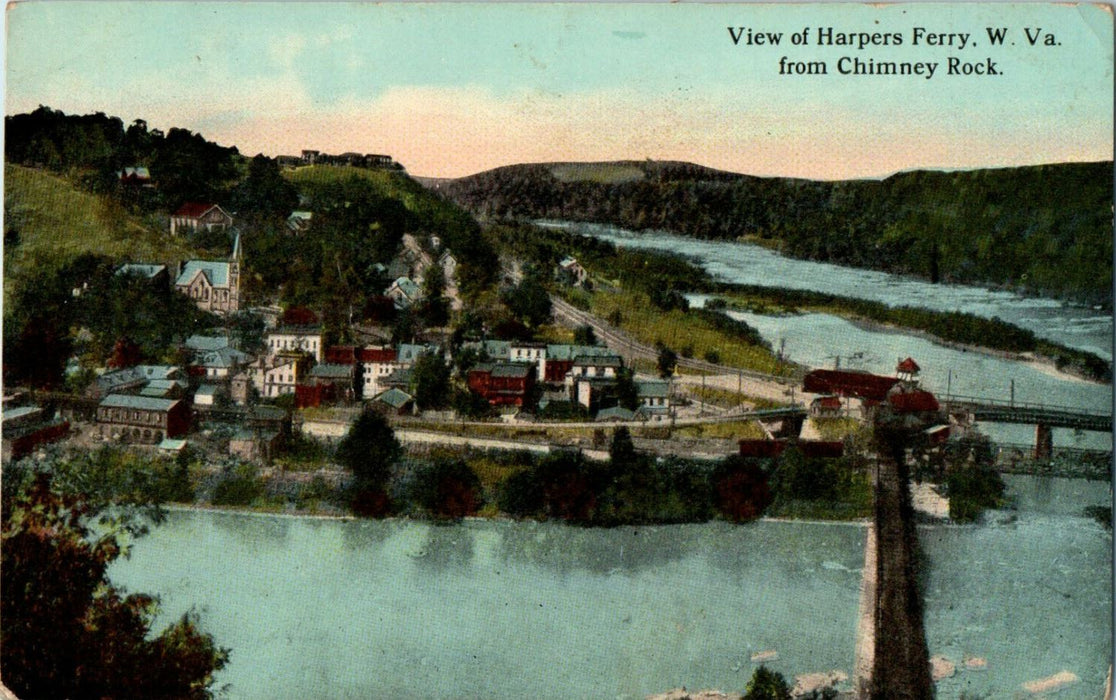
234	273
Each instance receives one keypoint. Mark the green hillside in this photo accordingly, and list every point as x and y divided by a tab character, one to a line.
49	223
1043	229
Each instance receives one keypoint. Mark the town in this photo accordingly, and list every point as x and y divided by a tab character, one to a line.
324	335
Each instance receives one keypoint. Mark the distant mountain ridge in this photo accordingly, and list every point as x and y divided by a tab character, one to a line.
1043	229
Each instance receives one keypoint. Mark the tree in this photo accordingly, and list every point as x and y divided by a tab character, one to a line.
972	483
585	335
448	489
740	489
434	307
66	631
767	685
627	394
264	192
621	452
667	361
431	381
529	301
369	450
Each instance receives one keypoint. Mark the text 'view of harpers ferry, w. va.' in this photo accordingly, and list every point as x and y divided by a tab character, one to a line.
326	335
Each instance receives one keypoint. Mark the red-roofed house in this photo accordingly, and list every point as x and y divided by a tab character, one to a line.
195	215
845	383
503	383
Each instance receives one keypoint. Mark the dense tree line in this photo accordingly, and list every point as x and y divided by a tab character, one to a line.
94	147
1046	229
85	308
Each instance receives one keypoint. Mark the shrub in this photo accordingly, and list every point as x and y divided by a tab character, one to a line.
239	486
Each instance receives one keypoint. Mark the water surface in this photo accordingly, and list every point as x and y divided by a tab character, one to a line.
359	609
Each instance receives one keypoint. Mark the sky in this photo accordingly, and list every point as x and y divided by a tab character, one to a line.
453	89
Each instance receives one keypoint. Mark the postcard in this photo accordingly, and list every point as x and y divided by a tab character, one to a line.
557	350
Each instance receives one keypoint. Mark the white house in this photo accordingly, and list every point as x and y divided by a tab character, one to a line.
376	365
295	339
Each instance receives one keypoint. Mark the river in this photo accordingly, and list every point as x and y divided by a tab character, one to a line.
823	340
1029	591
500	609
741	263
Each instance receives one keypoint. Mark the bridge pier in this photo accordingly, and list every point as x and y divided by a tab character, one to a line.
1044	441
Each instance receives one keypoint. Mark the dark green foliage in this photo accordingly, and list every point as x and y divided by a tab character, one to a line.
667	360
627	395
264	193
740	489
369	449
529	301
585	335
558	486
239	486
1044	228
132	483
767	685
431	382
446	489
470	404
667	299
732	327
972	482
564	410
66	631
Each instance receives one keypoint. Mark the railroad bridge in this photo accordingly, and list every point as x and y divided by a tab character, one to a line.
1045	417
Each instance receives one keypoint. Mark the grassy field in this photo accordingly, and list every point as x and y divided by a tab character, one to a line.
681	330
56	223
601	173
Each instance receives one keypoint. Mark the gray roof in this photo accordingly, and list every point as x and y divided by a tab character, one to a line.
512	369
407	286
569	352
615	413
162	387
135	375
400	377
19	412
652	388
495	349
609	360
330	371
394	398
207	390
148	270
207	342
216	272
222	357
144	403
408	352
172	444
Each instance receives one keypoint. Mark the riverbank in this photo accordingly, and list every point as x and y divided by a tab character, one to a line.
1015	344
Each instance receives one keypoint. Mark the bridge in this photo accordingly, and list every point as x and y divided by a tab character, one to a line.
1044	417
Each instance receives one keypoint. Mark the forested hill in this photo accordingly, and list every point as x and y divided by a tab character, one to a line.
1043	229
